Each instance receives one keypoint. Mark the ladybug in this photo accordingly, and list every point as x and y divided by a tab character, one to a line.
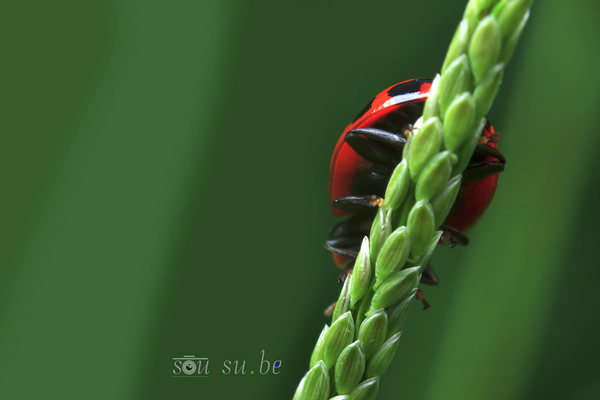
367	153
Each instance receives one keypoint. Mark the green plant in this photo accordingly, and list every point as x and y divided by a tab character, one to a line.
352	354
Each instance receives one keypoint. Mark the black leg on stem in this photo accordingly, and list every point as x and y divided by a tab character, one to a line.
381	136
340	251
483	170
358	204
486	150
371	151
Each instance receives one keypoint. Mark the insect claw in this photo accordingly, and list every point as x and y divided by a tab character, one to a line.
452	237
421	297
344	275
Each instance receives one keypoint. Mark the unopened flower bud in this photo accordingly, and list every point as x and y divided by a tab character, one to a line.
349	368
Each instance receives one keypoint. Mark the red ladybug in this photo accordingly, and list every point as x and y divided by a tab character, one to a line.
368	151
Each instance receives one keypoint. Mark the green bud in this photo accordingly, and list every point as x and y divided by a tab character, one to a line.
318	352
396	288
485	47
443	202
425	144
471	15
486	91
364	307
458	121
398	313
380	230
361	275
465	152
401	216
337	337
510	17
508	46
420	225
393	255
372	332
366	390
424	259
498	8
435	176
343	304
459	43
382	359
456	80
432	108
397	187
484	4
349	368
314	385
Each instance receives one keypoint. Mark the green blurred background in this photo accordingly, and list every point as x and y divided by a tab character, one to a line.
164	173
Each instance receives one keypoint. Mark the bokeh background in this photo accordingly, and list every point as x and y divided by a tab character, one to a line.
164	174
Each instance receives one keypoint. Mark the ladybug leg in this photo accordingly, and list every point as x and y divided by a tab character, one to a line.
346	237
341	251
344	246
429	276
486	150
355	226
452	237
381	136
482	170
344	242
371	179
421	297
358	204
344	275
369	150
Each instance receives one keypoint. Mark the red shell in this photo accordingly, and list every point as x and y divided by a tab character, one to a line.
474	196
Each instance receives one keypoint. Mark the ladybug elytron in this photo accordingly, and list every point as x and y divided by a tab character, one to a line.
367	153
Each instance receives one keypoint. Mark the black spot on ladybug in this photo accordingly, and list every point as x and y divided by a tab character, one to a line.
364	110
407	87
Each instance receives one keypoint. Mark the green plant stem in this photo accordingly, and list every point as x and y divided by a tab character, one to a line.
364	334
